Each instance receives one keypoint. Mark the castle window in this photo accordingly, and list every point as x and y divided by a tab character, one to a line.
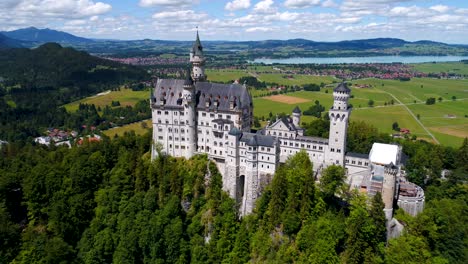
159	129
302	145
215	126
160	137
297	144
170	129
159	112
220	116
366	164
262	165
182	123
175	113
199	131
220	152
182	130
353	162
182	147
177	146
268	149
181	113
332	150
347	161
280	134
320	148
228	117
170	138
176	122
212	115
338	150
360	163
314	147
167	121
262	148
176	130
166	112
308	146
203	114
182	139
170	145
159	121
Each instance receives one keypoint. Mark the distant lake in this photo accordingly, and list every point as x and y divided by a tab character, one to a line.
373	59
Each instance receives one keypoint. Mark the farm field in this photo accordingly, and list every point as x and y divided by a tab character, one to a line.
124	96
449	67
137	127
225	75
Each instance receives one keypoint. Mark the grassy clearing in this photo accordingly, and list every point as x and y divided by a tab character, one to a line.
226	75
449	67
124	96
137	127
297	79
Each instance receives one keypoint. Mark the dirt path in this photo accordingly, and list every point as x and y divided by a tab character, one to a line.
412	114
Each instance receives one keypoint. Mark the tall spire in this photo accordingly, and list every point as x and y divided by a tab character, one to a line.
198	60
197	47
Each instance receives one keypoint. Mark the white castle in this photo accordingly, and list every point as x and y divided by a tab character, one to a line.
193	116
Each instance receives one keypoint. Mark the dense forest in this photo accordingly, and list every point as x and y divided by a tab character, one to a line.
36	83
107	202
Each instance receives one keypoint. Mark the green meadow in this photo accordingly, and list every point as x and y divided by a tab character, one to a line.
449	67
124	96
138	127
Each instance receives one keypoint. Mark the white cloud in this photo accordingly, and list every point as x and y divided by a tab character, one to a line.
259	29
301	3
329	3
63	8
182	15
237	5
147	3
265	6
410	11
440	8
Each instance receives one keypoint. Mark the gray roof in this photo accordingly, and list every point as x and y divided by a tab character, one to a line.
235	131
218	96
297	110
342	87
197	47
287	121
313	139
255	140
357	155
188	79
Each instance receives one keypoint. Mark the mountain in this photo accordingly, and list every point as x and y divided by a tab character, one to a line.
33	34
6	42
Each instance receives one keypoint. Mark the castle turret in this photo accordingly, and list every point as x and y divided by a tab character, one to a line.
198	61
296	116
339	116
189	102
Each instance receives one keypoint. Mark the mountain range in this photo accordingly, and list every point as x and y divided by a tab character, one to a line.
33	37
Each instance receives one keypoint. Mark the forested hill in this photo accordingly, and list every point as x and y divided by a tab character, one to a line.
35	83
107	202
51	65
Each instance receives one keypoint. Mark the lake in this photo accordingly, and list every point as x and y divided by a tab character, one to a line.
373	59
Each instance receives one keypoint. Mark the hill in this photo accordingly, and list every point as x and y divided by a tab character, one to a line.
37	82
6	42
33	34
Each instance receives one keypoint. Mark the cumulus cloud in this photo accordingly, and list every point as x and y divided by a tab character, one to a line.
329	3
265	6
147	3
63	8
440	8
181	15
301	3
259	29
237	5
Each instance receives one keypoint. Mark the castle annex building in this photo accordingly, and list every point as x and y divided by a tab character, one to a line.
193	116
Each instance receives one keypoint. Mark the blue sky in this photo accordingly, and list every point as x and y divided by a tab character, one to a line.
319	20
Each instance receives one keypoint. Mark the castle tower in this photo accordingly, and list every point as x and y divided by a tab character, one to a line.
189	102
297	116
339	116
198	60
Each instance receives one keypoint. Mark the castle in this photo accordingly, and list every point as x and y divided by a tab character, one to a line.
193	116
